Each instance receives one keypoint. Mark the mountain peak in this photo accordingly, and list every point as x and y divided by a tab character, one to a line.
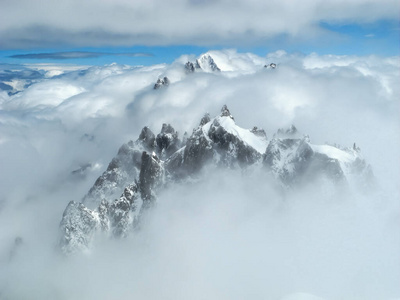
207	63
290	132
161	82
147	136
225	112
149	164
205	119
270	66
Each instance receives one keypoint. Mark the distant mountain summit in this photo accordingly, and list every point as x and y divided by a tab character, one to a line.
205	63
141	169
161	82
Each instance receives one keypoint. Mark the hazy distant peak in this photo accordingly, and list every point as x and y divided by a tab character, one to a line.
270	66
290	132
205	119
161	82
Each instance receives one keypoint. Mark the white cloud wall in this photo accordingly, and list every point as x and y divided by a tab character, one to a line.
234	240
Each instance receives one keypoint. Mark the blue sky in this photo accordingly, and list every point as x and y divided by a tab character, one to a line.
352	28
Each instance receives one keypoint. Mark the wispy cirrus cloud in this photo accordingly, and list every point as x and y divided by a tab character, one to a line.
76	54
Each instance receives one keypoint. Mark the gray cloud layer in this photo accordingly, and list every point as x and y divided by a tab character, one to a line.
97	23
73	55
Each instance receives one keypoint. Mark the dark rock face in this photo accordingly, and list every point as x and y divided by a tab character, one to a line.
293	161
120	211
161	82
207	62
270	66
204	62
259	132
189	67
167	141
104	210
122	169
150	178
290	132
225	112
197	153
142	168
287	158
205	119
147	138
79	223
231	149
77	226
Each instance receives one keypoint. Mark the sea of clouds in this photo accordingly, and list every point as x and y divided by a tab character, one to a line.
231	236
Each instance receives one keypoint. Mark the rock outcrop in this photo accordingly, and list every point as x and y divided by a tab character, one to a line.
141	169
161	82
204	63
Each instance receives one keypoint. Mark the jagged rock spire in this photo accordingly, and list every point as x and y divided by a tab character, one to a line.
204	62
225	112
151	163
167	141
205	119
189	67
147	136
150	175
161	82
290	132
270	66
259	132
207	63
167	128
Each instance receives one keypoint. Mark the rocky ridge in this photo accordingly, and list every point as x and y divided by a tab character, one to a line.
142	168
161	82
205	63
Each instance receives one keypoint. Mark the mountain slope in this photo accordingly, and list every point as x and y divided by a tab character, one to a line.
142	168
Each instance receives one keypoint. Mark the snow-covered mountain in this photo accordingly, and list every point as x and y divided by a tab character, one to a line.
141	169
205	63
211	213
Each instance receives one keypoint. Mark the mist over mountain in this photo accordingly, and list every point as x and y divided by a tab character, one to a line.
144	168
236	208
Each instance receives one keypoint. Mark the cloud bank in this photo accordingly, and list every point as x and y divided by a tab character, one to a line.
187	22
231	236
73	55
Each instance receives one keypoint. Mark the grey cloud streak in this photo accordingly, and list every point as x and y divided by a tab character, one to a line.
99	23
74	54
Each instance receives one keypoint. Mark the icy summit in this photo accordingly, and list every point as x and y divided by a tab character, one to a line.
141	169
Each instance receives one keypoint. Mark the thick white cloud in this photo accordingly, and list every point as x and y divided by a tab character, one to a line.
235	238
336	92
93	23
